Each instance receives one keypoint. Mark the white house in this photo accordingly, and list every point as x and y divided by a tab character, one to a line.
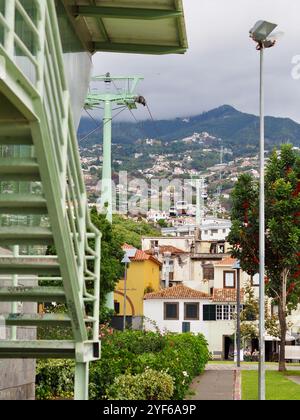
182	309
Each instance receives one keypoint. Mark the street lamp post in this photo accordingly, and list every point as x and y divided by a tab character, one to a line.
167	256
126	261
260	33
237	267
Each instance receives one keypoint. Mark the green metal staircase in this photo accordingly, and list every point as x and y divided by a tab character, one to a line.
42	195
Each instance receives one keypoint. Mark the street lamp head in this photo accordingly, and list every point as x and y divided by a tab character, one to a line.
126	259
236	265
261	32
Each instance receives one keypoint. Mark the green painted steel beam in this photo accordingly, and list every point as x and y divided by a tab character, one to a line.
22	204
125	13
42	349
32	294
8	141
138	48
16	129
32	320
25	235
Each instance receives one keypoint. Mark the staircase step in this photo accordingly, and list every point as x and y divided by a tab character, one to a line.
25	235
32	294
29	266
14	169
29	320
15	129
16	140
22	204
41	349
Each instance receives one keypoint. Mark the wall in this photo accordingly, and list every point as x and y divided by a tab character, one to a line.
212	330
17	376
140	275
183	243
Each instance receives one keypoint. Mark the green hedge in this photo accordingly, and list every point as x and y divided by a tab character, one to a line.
182	356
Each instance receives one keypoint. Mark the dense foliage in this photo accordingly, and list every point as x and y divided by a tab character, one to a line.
181	356
131	232
149	385
282	254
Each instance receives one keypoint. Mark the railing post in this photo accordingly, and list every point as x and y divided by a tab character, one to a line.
9	41
40	55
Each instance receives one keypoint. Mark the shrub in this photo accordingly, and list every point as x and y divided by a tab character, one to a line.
55	379
150	385
182	356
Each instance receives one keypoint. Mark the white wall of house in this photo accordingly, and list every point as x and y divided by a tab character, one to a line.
182	243
214	331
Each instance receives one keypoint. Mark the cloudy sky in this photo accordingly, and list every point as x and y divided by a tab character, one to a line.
222	65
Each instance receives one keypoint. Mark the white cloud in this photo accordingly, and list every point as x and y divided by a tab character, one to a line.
221	66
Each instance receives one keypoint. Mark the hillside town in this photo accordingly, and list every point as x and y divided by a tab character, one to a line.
149	203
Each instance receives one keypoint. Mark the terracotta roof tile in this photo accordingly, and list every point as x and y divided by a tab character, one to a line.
177	292
226	295
228	261
140	255
167	248
127	246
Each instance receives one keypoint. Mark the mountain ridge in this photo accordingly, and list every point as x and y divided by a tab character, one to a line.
235	128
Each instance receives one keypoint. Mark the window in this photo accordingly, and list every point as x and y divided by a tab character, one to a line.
208	272
255	280
117	307
171	311
209	312
229	280
191	311
219	312
154	244
225	312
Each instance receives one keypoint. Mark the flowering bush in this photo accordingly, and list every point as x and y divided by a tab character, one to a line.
182	356
150	385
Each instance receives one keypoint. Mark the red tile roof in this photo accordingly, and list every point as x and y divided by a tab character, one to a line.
127	246
177	292
140	255
228	261
226	295
167	248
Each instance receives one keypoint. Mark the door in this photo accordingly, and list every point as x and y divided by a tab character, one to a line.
228	347
186	327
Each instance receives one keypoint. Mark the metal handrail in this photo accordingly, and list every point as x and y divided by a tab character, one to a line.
51	85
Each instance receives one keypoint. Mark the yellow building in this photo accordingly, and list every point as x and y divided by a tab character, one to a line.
143	276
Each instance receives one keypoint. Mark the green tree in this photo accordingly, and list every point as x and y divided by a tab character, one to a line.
282	232
111	255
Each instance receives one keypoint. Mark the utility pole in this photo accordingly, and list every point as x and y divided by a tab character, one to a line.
199	202
125	97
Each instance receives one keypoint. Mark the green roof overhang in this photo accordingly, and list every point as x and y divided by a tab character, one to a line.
130	26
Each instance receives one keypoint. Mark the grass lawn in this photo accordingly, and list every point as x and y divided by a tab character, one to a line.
278	387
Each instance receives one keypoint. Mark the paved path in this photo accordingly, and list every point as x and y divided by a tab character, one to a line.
295	379
225	367
213	385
